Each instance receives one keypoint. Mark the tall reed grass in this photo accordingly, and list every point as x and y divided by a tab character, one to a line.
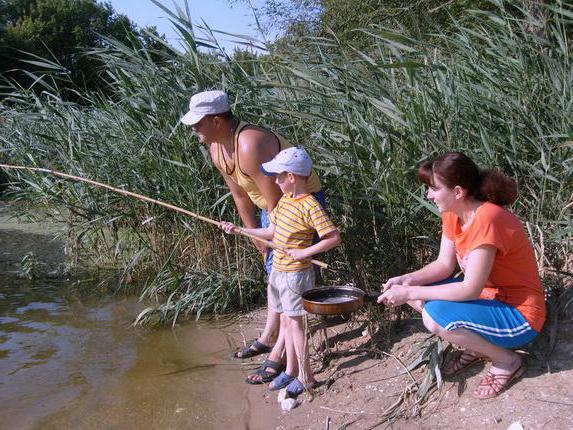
498	88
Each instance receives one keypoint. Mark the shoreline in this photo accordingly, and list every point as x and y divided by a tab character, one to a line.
361	374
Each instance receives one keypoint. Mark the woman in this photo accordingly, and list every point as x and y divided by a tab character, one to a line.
499	303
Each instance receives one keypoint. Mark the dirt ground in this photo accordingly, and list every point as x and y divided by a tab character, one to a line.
358	387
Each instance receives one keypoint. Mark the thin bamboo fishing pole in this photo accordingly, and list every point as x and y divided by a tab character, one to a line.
150	200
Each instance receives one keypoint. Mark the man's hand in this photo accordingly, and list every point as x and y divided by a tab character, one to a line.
261	247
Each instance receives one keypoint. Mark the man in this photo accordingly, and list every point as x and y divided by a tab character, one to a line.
237	150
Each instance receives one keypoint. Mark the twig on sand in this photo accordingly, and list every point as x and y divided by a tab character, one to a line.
401	364
348	412
554	402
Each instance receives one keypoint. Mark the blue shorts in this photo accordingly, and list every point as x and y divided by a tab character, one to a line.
264	222
498	322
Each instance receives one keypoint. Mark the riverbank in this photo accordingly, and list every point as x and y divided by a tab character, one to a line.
75	361
359	388
18	238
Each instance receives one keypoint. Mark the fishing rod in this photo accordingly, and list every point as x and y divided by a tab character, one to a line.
268	243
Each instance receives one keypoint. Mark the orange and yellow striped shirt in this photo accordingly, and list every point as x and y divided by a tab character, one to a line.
296	220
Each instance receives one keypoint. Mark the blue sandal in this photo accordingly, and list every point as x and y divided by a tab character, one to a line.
295	388
281	381
262	375
254	349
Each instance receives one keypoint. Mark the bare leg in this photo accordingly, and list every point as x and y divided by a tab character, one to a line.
296	332
272	324
504	361
292	362
277	354
417	304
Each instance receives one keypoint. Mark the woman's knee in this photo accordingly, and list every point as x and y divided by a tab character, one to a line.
430	324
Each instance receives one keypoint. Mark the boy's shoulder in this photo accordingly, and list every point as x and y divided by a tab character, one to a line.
305	202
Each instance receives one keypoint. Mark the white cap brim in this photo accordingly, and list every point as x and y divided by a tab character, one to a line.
272	168
191	118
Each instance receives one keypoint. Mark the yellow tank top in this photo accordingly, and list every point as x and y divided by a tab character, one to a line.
245	182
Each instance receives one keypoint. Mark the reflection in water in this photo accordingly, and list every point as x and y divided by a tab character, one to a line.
46	335
72	361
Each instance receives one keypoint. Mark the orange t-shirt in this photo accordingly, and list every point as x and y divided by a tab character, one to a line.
514	278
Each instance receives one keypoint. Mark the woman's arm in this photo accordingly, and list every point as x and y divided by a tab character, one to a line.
478	267
439	269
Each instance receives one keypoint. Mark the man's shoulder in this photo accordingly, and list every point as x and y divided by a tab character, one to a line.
252	136
255	146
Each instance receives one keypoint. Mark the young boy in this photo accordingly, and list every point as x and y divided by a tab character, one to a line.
294	221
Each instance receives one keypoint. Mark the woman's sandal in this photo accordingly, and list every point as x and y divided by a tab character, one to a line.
262	375
496	383
462	362
281	381
252	350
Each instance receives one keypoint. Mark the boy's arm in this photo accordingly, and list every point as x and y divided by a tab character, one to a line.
328	241
266	233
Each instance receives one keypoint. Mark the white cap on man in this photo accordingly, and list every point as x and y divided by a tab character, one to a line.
205	103
293	160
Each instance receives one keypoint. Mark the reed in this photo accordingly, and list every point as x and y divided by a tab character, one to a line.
498	87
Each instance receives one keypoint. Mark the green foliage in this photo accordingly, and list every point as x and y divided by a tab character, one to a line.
61	30
499	88
296	20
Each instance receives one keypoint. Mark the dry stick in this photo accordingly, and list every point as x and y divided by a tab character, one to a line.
150	200
348	412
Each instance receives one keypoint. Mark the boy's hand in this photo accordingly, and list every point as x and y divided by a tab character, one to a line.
228	227
261	247
297	254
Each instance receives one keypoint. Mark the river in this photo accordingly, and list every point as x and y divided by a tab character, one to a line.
71	359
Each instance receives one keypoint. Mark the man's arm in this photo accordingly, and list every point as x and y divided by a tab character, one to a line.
243	203
257	147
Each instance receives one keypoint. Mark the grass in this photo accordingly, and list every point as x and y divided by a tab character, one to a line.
499	88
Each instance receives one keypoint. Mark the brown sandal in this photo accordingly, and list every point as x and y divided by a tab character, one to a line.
497	383
461	363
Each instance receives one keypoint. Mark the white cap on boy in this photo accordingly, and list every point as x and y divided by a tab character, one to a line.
294	160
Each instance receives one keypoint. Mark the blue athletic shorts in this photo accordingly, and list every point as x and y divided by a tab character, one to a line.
498	322
264	222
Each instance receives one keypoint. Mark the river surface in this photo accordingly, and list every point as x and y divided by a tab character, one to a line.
73	360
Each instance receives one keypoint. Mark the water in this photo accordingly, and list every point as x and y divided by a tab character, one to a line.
334	300
73	361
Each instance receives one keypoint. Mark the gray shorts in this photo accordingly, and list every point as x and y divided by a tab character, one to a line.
286	289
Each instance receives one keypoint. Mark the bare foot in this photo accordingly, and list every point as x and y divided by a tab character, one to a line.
462	362
499	377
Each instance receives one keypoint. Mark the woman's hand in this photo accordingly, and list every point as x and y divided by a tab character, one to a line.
395	295
397	280
229	227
